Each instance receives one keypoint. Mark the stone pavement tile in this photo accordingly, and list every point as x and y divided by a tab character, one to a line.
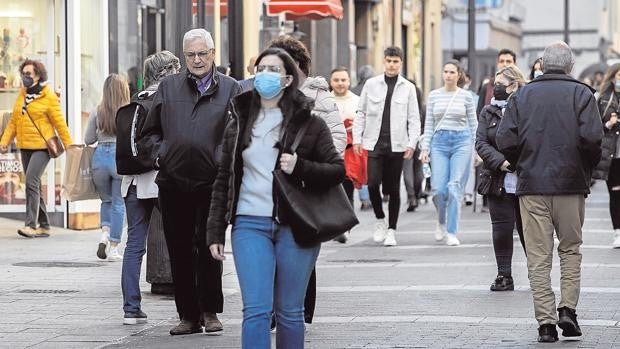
66	345
85	338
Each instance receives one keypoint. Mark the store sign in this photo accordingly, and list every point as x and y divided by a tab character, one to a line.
12	189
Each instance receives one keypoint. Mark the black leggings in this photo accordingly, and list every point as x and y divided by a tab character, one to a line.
614	195
385	168
505	213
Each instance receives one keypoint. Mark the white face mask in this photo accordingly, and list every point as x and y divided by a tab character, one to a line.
537	73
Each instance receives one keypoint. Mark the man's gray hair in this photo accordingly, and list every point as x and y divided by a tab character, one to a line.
159	65
364	73
558	56
198	34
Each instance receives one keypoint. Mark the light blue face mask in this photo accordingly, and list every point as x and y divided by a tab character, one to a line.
268	84
537	73
617	85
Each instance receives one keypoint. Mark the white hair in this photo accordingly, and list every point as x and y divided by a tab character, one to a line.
558	56
198	34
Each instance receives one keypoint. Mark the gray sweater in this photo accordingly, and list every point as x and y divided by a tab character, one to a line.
93	134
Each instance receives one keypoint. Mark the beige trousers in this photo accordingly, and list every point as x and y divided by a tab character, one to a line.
541	215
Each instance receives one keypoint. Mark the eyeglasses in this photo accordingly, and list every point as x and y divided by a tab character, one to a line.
269	68
201	55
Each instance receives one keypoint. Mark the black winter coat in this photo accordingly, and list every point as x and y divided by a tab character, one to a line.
607	104
552	131
318	163
486	146
184	130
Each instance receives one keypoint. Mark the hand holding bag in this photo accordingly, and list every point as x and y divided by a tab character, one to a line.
78	180
54	145
315	214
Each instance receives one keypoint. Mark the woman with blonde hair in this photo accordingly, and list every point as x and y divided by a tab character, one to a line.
497	178
101	129
36	117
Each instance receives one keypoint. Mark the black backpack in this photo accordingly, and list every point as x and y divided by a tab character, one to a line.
129	122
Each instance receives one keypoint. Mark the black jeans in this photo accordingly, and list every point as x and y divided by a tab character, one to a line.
34	163
505	213
613	180
385	168
197	276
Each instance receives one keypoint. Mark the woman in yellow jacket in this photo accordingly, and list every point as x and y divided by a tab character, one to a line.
39	104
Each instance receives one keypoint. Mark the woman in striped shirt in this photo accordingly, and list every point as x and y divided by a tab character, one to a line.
449	134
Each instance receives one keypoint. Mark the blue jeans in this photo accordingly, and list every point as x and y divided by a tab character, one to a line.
451	153
138	218
363	193
108	185
260	245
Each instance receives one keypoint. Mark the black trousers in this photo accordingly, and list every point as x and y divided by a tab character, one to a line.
385	168
613	180
197	276
505	213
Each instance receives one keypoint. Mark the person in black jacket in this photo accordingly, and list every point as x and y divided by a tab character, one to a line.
497	178
257	140
184	129
609	166
551	132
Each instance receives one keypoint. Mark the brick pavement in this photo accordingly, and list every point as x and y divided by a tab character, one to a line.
420	294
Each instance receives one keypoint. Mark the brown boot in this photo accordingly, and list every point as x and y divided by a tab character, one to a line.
42	232
212	325
186	327
27	232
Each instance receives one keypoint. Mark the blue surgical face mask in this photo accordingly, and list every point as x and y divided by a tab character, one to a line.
618	85
268	84
537	73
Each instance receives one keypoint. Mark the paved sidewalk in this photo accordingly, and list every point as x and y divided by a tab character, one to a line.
419	294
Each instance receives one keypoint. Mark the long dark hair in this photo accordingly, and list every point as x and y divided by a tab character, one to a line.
609	82
532	70
291	98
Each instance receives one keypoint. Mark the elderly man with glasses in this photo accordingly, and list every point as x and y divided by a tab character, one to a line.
185	127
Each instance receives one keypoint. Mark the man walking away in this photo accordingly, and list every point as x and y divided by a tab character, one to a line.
552	132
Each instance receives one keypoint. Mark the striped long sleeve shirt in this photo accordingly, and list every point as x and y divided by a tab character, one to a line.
460	117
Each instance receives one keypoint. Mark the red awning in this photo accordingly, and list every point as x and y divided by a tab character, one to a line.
312	9
209	8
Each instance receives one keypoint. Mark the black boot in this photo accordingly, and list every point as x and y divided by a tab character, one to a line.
503	283
568	322
547	333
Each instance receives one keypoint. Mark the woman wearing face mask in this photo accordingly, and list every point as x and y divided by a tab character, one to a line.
257	140
536	70
497	179
36	117
609	166
449	131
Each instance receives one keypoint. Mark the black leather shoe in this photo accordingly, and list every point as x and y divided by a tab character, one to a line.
547	333
186	327
503	283
568	322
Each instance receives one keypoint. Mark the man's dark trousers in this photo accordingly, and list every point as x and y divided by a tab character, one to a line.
197	276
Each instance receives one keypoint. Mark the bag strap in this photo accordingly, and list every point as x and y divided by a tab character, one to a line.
299	136
33	123
447	108
611	98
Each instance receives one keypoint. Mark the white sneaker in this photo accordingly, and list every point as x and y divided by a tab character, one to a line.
452	240
114	255
440	232
390	238
616	243
380	231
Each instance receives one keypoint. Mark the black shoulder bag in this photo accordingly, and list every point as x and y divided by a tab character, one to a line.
316	214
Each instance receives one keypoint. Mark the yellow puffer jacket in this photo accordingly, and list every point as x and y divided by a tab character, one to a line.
45	111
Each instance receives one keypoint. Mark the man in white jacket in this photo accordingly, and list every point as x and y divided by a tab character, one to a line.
388	126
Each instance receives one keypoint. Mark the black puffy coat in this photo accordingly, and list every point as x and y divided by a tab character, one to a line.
184	130
551	130
608	103
486	146
318	163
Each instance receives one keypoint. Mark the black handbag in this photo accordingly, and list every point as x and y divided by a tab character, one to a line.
489	184
315	215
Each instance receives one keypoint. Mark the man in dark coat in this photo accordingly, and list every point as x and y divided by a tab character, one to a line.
184	130
552	132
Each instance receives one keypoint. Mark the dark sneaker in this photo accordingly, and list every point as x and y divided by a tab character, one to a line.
412	206
386	198
366	205
503	283
101	250
134	318
27	232
547	333
212	324
186	327
567	321
42	232
342	238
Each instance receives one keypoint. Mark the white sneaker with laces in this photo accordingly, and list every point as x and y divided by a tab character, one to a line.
380	231
616	243
114	254
390	238
452	240
440	232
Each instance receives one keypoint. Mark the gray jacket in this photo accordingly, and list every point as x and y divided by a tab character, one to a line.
325	107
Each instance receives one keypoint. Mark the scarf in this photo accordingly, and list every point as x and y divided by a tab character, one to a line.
32	93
